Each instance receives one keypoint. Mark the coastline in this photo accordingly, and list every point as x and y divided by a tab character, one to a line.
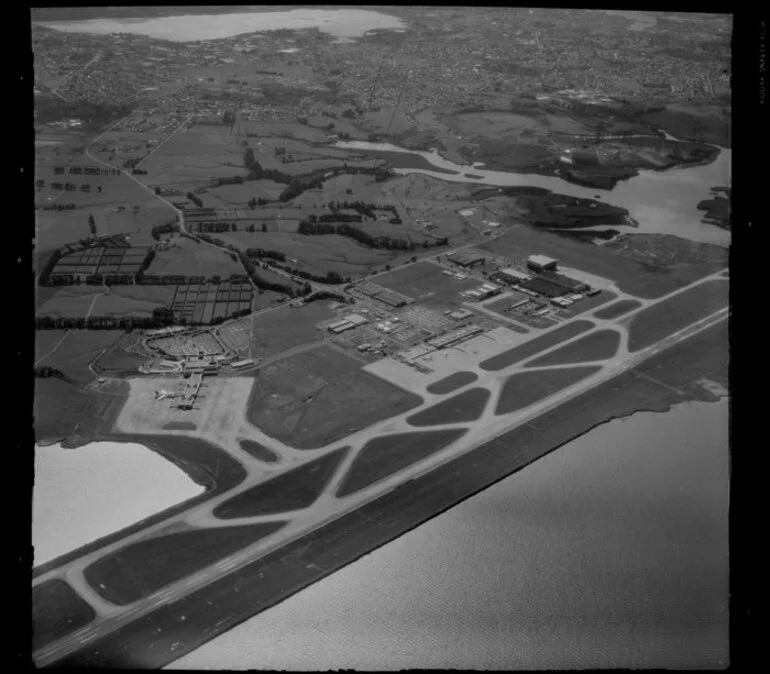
356	533
232	474
286	571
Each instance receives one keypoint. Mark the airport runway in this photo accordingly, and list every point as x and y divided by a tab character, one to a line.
312	547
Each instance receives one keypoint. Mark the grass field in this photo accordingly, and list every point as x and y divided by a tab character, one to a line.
55	228
525	388
617	309
63	410
424	281
705	354
321	254
465	406
159	295
82	301
195	156
319	396
288	327
78	349
598	345
117	305
293	490
139	569
189	258
631	276
666	317
387	455
258	451
118	360
57	610
239	195
452	382
533	346
45	340
71	301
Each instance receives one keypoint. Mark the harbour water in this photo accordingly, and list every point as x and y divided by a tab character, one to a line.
611	552
662	202
83	494
343	23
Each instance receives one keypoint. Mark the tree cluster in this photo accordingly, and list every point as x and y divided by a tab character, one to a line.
58	207
268	254
297	186
231	180
157	320
215	227
261	282
331	277
362	237
46	371
195	200
160	230
327	295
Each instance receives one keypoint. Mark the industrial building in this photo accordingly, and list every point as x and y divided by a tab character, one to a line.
519	304
393	299
541	263
483	292
340	326
461	314
466	258
416	352
454	336
347	323
356	319
570	284
543	287
200	366
241	364
510	276
368	289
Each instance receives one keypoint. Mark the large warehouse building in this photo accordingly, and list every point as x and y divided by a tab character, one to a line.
510	276
466	258
541	263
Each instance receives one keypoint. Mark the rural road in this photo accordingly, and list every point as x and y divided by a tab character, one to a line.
56	346
72	74
329	507
165	140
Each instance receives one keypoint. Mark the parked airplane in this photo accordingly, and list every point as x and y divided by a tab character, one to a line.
161	394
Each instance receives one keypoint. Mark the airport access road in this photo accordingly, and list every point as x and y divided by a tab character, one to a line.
329	508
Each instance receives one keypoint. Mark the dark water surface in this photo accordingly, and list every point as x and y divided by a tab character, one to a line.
610	552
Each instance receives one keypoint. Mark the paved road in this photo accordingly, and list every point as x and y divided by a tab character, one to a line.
72	74
329	508
56	346
165	140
